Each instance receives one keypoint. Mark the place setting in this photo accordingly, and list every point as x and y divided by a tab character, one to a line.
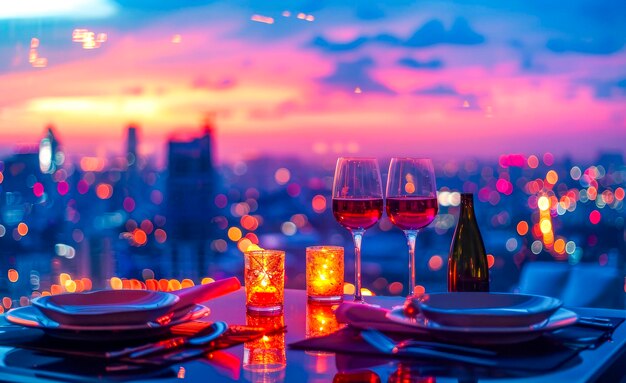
125	331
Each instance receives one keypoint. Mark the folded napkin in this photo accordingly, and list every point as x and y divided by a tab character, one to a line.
367	316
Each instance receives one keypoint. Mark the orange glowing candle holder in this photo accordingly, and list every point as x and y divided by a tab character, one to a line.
264	275
324	273
264	358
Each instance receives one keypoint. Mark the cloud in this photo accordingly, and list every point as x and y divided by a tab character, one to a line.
434	32
410	62
350	75
326	45
465	101
431	33
609	89
438	90
592	46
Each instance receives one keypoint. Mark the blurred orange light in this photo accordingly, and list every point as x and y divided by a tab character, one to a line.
186	283
552	177
64	277
234	234
419	290
86	283
619	193
244	244
104	191
116	283
249	223
435	262
546	226
70	286
13	275
22	229
319	203
55	289
522	228
490	260
140	237
207	280
174	284
348	288
282	176
533	161
559	246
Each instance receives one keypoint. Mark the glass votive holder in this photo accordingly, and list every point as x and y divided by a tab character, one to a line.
264	274
324	273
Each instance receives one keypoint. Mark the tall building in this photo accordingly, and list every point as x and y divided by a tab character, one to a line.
131	146
191	187
50	155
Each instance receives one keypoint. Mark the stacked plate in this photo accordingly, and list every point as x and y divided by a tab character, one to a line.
107	315
486	318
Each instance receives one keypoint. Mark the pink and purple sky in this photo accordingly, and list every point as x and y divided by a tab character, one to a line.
434	78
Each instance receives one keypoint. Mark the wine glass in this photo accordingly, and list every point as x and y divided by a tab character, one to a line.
357	203
411	201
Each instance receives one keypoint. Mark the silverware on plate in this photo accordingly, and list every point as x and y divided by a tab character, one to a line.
386	345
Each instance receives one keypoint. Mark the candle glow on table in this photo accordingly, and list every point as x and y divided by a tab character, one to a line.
265	358
320	321
324	273
264	275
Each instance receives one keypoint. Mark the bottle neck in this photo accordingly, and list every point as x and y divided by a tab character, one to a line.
467	205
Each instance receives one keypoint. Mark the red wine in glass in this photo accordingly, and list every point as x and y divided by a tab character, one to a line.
412	213
411	201
357	213
357	204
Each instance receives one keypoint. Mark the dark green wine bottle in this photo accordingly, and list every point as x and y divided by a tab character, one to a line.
468	269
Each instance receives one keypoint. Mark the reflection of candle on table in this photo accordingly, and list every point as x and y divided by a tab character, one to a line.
320	321
265	280
324	273
264	359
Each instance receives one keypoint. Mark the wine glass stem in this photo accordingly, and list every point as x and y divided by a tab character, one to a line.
357	235
410	239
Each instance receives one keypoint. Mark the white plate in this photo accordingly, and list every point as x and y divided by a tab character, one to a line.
30	316
107	307
487	309
486	335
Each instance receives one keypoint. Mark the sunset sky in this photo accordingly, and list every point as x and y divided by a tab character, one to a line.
320	78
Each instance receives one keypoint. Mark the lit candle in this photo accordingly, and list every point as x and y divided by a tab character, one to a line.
324	273
264	275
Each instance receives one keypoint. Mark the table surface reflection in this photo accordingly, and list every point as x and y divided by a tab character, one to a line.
241	363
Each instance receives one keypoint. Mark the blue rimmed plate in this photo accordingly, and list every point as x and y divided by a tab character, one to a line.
31	317
484	335
487	309
107	307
